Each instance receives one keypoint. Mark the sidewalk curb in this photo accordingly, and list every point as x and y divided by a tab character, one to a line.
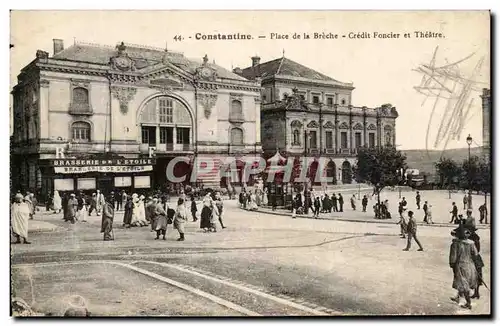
480	227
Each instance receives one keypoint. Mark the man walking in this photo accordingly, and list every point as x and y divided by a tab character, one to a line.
483	214
364	203
417	199
353	202
454	212
341	203
334	203
412	232
426	209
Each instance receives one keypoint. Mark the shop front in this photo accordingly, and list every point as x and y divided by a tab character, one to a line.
89	175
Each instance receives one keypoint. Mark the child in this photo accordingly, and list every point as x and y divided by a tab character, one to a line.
402	223
180	218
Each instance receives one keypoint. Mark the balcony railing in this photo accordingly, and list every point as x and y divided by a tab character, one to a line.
163	148
80	109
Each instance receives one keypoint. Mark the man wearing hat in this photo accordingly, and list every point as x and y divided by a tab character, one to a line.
470	225
463	254
411	229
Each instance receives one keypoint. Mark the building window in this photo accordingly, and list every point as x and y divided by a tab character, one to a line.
166	111
329	139
166	135
182	135
236	111
81	131
296	137
236	136
315	99
343	101
343	139
357	139
371	140
313	139
148	135
80	96
329	101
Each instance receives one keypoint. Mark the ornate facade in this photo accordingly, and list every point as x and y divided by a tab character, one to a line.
126	102
305	113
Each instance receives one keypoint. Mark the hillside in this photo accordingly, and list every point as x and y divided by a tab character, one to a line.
424	160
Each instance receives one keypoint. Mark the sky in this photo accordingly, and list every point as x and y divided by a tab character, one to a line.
382	69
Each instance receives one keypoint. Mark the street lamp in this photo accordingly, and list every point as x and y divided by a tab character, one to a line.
469	142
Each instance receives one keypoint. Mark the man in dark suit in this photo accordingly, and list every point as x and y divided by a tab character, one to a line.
411	229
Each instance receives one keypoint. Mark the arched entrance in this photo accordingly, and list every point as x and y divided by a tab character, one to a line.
313	169
331	172
346	172
166	124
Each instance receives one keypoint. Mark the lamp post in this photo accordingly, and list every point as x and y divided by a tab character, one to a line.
469	142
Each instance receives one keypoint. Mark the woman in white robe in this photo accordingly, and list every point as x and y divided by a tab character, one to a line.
135	211
142	212
20	214
56	203
264	198
252	204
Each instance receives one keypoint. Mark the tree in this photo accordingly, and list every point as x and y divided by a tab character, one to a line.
448	170
470	174
380	167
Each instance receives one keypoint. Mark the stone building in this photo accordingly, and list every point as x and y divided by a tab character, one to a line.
306	113
486	104
105	117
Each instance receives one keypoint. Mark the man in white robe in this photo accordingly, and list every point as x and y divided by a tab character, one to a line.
20	214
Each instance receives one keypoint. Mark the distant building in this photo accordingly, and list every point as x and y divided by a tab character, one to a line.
306	113
486	103
118	115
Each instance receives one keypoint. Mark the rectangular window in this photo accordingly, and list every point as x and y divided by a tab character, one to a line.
166	135
81	133
123	181
182	135
148	135
343	139
312	139
357	139
166	111
371	140
329	101
64	184
329	139
142	181
86	183
316	99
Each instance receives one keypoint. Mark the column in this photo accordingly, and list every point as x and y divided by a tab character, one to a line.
174	135
157	135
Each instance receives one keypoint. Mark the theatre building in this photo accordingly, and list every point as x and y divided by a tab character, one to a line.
112	117
305	113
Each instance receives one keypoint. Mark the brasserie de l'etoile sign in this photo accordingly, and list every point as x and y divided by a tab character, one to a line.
66	166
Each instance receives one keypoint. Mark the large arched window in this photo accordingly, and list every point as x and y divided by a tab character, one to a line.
80	131
236	136
171	117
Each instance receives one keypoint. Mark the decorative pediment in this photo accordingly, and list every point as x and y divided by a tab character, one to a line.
122	61
207	100
295	101
236	96
387	128
166	84
205	72
344	125
329	125
358	126
296	124
124	95
313	124
372	127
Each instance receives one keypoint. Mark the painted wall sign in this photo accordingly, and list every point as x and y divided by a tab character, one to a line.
104	169
110	162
